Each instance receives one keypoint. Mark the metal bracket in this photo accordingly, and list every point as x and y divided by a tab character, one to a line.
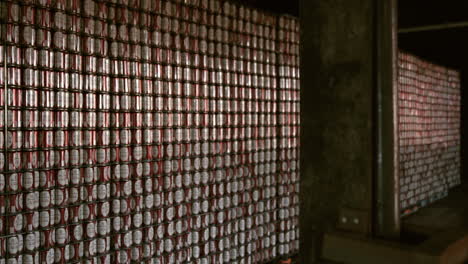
434	27
354	220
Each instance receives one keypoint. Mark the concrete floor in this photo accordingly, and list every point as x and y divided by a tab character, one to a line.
437	234
442	228
447	214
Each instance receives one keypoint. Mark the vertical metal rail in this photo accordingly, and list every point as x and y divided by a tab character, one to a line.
386	183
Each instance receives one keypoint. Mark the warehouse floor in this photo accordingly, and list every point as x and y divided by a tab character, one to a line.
447	214
441	228
434	234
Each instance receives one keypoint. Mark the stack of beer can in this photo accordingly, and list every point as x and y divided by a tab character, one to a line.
148	131
429	131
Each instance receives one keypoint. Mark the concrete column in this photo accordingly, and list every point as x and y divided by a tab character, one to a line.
339	117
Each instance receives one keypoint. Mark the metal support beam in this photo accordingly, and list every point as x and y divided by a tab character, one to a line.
434	27
386	184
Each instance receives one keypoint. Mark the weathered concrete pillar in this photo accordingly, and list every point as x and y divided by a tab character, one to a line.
340	121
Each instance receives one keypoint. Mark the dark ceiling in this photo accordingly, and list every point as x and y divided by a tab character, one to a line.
447	46
417	12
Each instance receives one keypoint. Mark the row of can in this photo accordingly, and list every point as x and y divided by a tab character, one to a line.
84	228
169	53
251	143
28	185
145	60
442	84
421	141
173	18
167	219
152	252
28	160
136	77
80	82
229	180
169	122
82	216
84	202
439	85
62	100
186	142
52	159
150	62
44	34
435	136
414	94
172	123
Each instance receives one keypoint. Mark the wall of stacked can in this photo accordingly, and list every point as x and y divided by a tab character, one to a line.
147	131
429	131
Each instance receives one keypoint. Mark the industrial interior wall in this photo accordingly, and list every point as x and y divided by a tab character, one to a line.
429	131
148	131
